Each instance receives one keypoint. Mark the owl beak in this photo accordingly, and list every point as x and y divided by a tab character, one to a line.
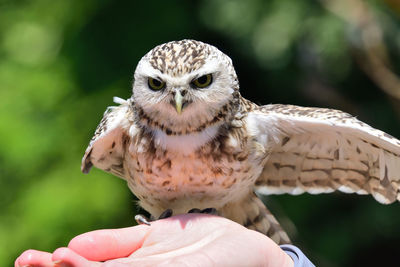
178	101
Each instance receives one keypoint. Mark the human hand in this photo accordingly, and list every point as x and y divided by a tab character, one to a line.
183	240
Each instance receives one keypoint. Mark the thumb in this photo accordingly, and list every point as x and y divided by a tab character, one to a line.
102	245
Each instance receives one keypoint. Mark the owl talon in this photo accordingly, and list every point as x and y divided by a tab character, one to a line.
166	214
211	211
194	211
141	219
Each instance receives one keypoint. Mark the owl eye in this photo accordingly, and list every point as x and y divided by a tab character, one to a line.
203	81
155	84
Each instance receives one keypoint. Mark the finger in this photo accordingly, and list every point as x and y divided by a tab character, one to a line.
104	245
34	258
65	257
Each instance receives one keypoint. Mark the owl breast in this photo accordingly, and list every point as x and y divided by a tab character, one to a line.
222	170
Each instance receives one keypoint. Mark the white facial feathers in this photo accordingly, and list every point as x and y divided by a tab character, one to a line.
168	65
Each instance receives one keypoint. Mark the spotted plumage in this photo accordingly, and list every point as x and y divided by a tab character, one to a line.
187	139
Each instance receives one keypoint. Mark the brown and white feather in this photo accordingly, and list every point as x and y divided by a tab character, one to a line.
106	148
322	150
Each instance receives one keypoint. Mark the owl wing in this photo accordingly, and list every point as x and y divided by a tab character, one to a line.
106	148
319	150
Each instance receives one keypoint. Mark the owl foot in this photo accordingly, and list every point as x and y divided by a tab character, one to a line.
165	214
211	211
142	219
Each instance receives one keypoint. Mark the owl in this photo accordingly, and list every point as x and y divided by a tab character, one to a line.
187	139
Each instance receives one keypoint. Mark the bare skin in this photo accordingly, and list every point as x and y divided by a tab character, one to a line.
184	240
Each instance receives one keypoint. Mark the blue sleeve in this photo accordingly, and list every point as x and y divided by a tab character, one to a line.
300	260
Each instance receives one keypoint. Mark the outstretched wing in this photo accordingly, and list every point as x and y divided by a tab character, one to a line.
319	150
106	149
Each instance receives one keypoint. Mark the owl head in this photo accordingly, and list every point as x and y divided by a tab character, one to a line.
184	86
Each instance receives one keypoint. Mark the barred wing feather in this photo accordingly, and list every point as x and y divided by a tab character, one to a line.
319	150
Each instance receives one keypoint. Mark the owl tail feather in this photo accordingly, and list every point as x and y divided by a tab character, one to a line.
252	213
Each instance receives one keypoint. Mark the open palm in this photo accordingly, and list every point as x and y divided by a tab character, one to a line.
184	240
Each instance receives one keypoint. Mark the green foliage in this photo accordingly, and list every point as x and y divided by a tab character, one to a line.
61	62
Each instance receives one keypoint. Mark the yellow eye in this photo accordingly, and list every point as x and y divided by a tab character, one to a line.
155	84
203	81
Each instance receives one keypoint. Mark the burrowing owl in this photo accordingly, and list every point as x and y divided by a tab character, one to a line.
187	139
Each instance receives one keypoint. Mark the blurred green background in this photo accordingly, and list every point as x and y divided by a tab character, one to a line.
61	62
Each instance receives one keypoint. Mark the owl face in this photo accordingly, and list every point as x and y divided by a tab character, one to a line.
183	85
